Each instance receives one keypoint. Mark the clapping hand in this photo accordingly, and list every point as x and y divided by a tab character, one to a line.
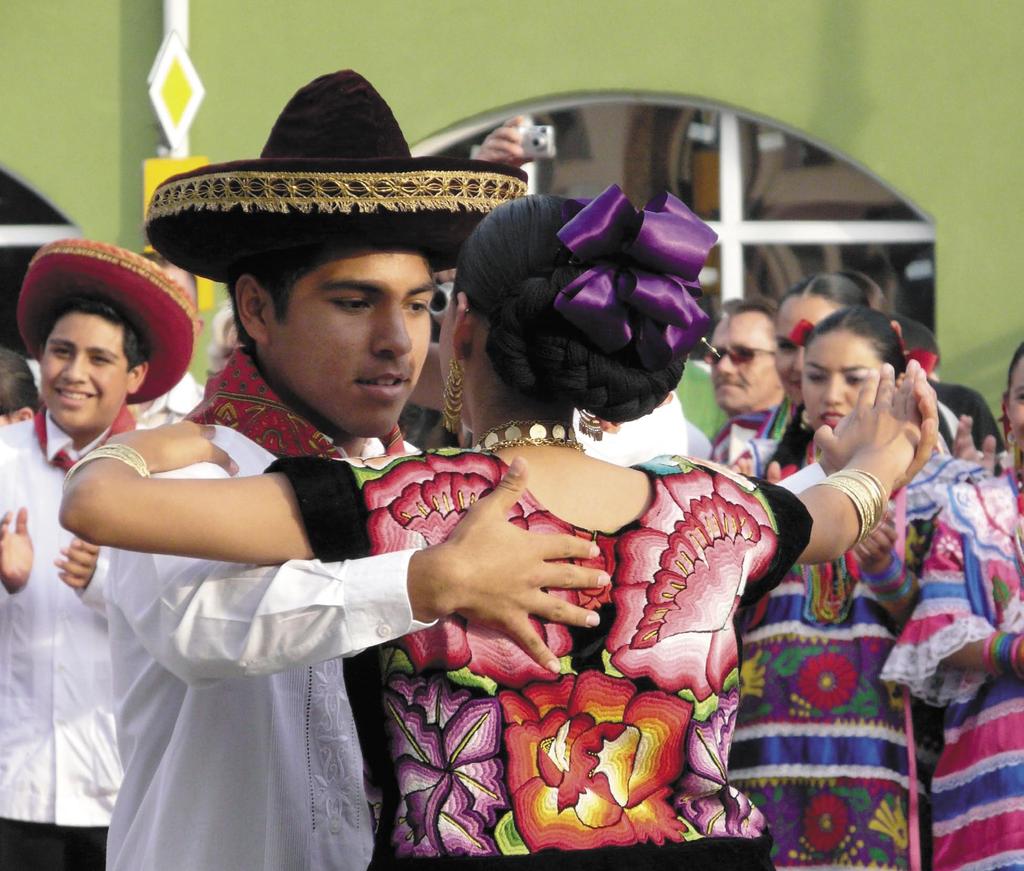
965	449
79	563
16	552
876	552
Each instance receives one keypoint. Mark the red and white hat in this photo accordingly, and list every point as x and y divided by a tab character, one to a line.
157	307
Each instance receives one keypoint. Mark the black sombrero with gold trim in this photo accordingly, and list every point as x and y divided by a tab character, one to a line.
336	166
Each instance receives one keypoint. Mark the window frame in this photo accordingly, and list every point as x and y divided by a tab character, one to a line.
735	232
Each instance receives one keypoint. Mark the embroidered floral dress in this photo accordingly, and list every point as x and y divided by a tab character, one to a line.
485	756
971	586
821	744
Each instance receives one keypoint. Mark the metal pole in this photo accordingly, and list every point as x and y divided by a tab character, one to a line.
176	20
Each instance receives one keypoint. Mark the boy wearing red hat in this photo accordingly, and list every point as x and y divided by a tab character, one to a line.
233	714
106	328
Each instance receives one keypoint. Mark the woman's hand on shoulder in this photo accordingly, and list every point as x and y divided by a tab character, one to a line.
177	445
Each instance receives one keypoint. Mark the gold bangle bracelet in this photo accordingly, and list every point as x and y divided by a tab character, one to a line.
122	453
876	495
855	501
866	493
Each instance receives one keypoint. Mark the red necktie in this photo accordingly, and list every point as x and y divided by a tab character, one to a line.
124	422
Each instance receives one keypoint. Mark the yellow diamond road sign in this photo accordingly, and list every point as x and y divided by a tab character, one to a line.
174	89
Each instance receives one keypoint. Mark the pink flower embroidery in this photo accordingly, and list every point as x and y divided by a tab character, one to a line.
421	499
675	592
431	498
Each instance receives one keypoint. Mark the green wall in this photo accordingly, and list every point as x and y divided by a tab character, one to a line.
925	94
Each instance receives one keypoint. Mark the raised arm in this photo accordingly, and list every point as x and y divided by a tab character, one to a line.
890	435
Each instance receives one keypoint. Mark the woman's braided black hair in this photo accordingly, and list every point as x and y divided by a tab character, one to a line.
511	268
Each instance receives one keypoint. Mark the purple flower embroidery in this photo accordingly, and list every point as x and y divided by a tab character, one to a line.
705	798
446	744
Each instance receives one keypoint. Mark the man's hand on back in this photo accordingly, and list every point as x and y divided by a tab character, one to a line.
497	575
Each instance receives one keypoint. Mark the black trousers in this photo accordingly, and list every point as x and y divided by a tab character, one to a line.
48	847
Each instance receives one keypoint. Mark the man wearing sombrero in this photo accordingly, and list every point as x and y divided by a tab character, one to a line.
235	722
107	328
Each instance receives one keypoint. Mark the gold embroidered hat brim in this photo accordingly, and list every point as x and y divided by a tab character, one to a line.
209	218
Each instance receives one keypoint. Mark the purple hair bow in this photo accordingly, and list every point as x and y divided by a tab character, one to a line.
642	281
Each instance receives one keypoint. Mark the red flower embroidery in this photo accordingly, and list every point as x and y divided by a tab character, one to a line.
675	593
826	821
827	680
591	760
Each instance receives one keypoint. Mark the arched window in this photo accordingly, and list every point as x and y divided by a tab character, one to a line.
27	221
784	206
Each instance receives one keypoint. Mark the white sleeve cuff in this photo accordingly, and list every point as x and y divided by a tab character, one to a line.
805	478
375	594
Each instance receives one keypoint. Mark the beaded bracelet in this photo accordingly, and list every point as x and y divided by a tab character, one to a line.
1016	662
997	653
901	591
987	654
893	572
893	584
122	453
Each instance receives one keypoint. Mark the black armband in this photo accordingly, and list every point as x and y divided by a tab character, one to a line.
331	506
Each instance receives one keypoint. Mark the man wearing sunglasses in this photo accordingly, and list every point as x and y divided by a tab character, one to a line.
743	374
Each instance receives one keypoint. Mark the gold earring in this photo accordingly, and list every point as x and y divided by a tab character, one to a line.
452	410
590	425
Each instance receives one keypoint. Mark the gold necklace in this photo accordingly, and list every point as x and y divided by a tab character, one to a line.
517	433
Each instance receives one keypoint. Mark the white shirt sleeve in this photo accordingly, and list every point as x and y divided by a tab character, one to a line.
807	477
205	621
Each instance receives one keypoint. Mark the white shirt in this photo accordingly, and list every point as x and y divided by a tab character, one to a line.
664	431
58	756
238	741
173	406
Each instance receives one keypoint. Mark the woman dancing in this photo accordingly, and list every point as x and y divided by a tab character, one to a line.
616	753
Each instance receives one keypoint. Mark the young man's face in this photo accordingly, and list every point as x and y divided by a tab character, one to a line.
352	343
85	376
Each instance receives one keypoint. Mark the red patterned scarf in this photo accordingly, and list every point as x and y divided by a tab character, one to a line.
239	398
124	422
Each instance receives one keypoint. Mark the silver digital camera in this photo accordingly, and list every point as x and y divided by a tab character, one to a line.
538	141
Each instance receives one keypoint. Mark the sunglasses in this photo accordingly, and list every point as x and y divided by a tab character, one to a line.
737	354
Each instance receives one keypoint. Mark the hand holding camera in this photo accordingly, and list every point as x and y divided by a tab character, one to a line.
517	142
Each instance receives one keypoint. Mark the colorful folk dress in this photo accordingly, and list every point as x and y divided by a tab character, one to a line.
619	761
821	744
971	586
